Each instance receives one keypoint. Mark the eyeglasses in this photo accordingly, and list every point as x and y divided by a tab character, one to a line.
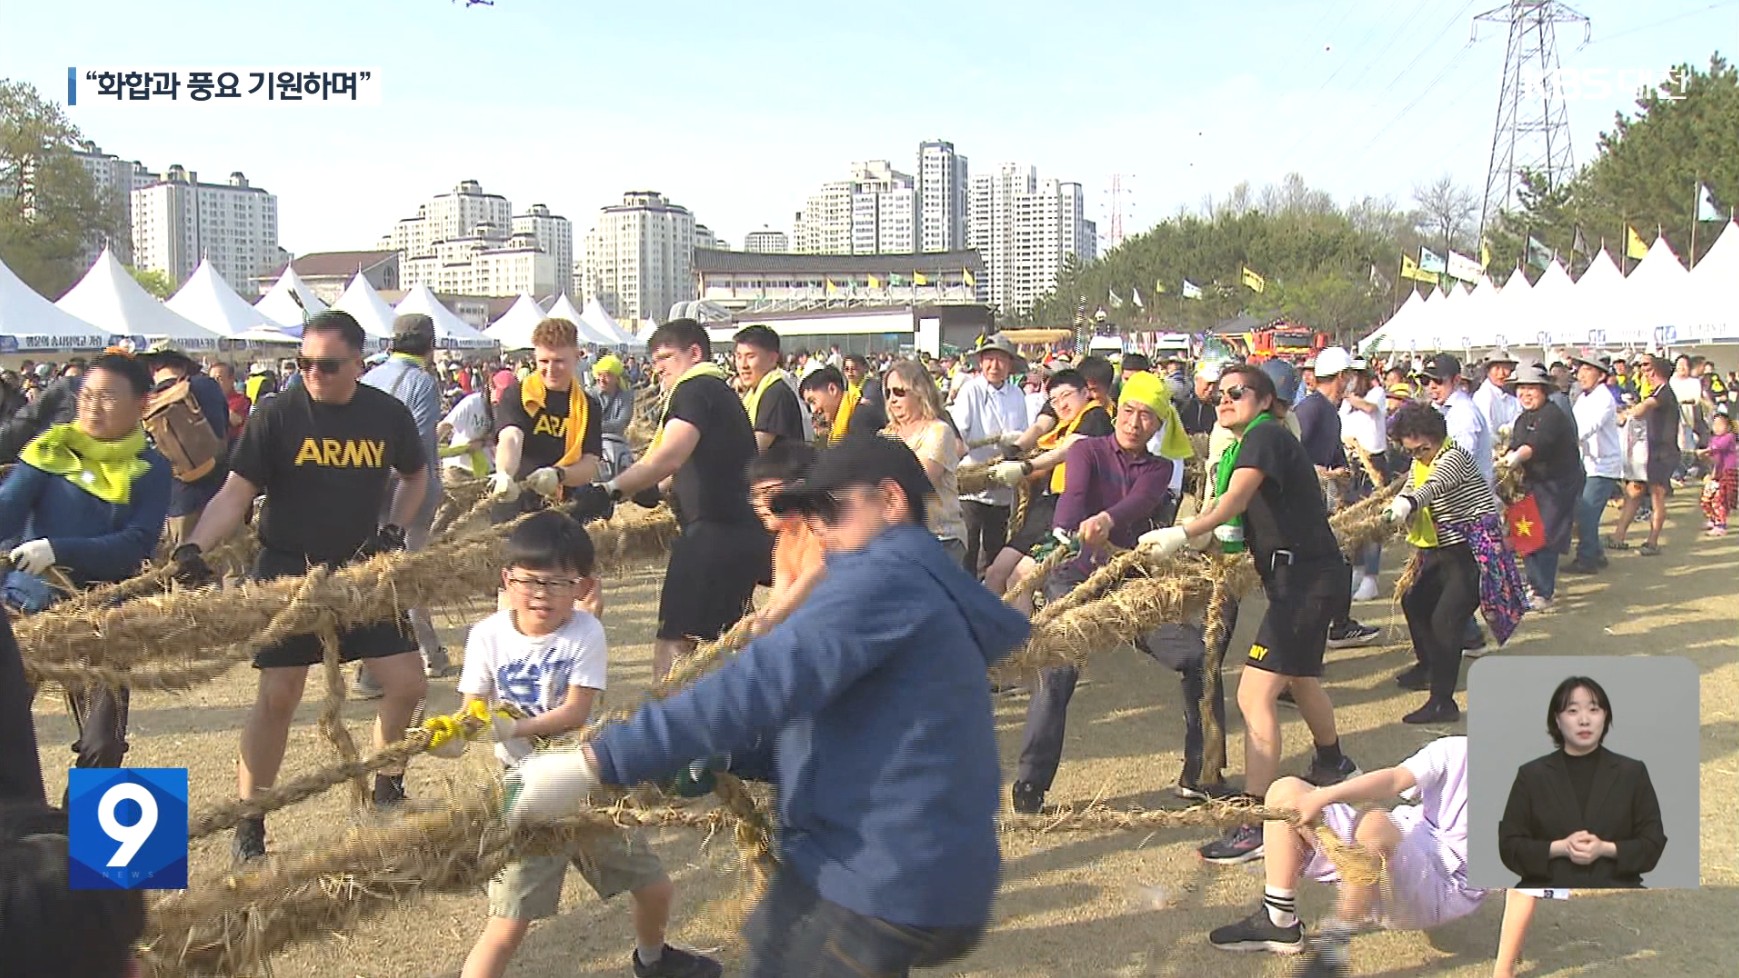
324	365
102	399
1060	396
1233	394
543	585
1420	451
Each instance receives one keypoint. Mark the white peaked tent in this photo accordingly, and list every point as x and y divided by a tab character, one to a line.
513	329
564	309
1392	335
366	306
645	335
1453	328
1591	311
1713	306
277	305
209	301
604	323
1654	299
1479	314
29	322
1511	321
451	332
109	297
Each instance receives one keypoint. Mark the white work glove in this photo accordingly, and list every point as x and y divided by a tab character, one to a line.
503	727
33	557
1400	510
546	482
547	785
1165	541
1007	473
1513	459
502	488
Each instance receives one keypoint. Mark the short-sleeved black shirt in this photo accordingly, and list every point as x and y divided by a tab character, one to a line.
1663	423
866	417
546	432
1287	512
1552	435
1095	423
1319	431
325	468
713	485
779	413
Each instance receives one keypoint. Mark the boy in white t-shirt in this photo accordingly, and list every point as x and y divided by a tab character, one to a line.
538	665
1424	850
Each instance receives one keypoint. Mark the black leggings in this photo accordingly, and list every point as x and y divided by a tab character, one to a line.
20	768
1438	607
986	533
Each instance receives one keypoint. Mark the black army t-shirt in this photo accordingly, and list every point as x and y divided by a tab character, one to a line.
1287	512
779	413
713	485
866	418
325	468
546	431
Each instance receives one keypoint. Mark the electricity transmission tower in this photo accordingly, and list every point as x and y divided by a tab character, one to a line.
1532	130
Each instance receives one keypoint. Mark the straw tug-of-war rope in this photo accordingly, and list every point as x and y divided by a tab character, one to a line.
140	634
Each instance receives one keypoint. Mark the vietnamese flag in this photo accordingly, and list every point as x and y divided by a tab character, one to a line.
1523	528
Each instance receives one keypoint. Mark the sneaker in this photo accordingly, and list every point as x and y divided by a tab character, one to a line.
1417	679
249	844
1367	590
1434	712
1352	635
1027	797
1474	646
1613	543
1242	844
389	790
1581	567
674	962
1717	531
1539	604
1197	791
1323	775
1324	964
1258	933
1649	550
439	665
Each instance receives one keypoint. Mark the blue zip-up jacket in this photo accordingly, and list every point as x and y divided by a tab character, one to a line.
875	697
95	541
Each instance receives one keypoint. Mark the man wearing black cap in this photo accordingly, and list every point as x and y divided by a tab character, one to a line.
885	740
405	375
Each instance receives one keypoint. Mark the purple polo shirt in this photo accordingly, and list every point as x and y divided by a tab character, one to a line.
1100	477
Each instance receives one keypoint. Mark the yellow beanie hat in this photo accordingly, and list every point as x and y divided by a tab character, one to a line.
609	363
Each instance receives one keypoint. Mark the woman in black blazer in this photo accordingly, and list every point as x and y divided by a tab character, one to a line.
1581	817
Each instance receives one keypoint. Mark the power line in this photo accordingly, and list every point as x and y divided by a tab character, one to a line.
1661	23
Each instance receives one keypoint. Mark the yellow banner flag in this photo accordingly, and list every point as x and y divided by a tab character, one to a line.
875	283
971	279
919	278
1254	281
1410	270
1633	243
1484	253
830	288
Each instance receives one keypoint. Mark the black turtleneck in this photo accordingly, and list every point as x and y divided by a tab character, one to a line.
1582	773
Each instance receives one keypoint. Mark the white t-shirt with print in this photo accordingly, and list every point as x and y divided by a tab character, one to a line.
506	666
1439	772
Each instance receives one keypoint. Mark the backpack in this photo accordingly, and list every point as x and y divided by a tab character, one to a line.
182	433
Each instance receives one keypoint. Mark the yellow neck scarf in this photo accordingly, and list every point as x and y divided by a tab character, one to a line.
1422	532
533	395
1055	436
705	368
105	469
842	417
752	400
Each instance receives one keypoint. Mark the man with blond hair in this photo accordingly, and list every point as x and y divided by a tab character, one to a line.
548	430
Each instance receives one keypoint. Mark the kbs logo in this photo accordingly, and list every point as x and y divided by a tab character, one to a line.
127	828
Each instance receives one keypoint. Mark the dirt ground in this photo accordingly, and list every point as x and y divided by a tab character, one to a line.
1110	903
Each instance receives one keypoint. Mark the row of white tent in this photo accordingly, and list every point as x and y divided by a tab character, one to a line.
108	306
1659	304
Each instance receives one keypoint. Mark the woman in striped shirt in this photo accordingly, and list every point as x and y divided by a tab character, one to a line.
1463	562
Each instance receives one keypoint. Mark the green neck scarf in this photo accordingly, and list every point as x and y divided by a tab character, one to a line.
105	469
1229	462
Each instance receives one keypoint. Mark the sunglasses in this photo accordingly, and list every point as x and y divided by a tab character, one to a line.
1233	394
1420	451
898	391
328	366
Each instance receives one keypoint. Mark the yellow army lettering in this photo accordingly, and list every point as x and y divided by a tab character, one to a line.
1258	652
348	453
554	427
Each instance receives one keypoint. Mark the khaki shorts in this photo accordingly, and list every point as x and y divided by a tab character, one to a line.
611	863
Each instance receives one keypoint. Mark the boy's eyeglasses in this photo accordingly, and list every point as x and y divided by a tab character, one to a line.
544	585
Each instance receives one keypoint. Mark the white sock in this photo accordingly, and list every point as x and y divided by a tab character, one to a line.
1282	905
649	956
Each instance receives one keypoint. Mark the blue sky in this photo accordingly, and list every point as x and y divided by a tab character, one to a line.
739	111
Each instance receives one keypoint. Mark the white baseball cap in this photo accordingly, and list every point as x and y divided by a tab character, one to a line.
1333	360
1209	372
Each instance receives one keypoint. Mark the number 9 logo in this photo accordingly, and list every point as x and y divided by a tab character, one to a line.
131	837
110	847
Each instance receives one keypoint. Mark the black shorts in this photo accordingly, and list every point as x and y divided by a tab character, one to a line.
1660	469
1303	600
375	641
1041	515
713	570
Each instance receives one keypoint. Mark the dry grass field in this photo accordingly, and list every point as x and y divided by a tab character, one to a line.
1072	904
